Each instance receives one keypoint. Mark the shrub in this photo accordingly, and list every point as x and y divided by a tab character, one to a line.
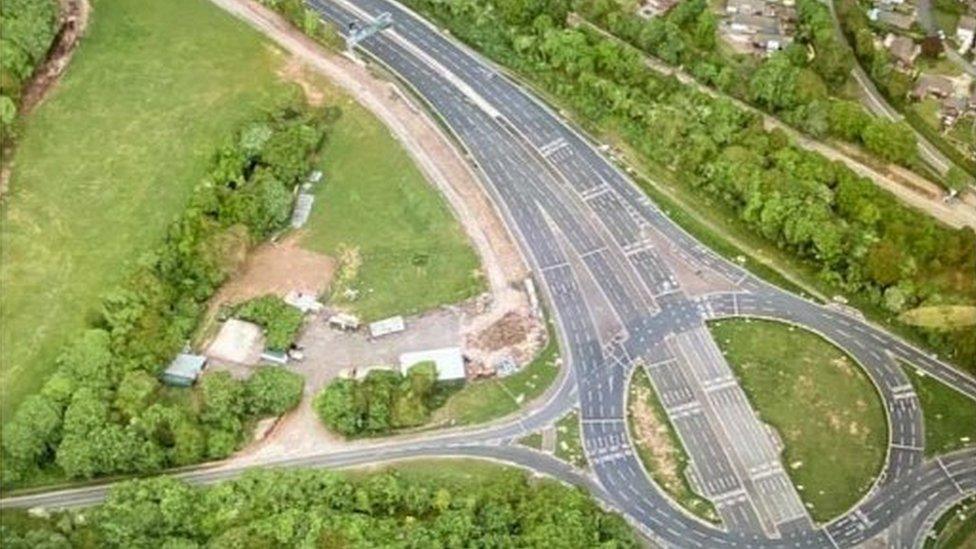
383	401
280	320
272	390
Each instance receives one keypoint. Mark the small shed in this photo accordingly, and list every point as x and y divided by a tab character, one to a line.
387	326
303	301
303	207
275	357
344	321
184	370
448	361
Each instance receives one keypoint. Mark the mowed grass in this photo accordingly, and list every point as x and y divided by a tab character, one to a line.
950	417
821	403
413	253
569	442
108	160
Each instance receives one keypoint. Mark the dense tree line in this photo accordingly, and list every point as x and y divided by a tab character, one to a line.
103	411
281	321
383	401
861	238
314	508
27	29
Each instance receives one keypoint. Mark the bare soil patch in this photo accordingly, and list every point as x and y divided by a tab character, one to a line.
75	15
653	435
74	19
278	268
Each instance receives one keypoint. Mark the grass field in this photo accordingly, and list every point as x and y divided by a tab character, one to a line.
488	399
956	529
569	442
533	440
659	447
950	417
413	253
821	403
109	159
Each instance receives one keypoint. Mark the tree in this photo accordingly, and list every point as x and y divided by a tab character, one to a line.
87	361
34	431
338	407
272	390
957	179
774	84
893	141
135	393
223	401
847	119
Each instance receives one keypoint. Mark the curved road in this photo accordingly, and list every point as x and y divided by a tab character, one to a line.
630	289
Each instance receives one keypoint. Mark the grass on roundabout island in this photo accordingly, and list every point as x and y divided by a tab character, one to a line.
824	407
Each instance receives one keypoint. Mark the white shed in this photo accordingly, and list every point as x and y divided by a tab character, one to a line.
448	361
387	326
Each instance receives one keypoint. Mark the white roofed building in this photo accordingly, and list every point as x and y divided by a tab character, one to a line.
448	361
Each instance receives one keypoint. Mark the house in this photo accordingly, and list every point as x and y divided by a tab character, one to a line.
952	109
744	24
898	20
448	362
932	85
771	42
966	33
745	7
184	370
386	326
904	49
653	8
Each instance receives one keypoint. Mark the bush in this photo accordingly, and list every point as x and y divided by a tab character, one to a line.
272	391
382	402
281	321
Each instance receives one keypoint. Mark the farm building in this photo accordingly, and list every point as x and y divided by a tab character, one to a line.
184	370
448	361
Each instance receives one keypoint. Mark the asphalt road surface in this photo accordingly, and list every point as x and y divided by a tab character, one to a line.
630	289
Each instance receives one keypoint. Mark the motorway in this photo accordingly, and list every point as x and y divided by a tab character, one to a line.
630	289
